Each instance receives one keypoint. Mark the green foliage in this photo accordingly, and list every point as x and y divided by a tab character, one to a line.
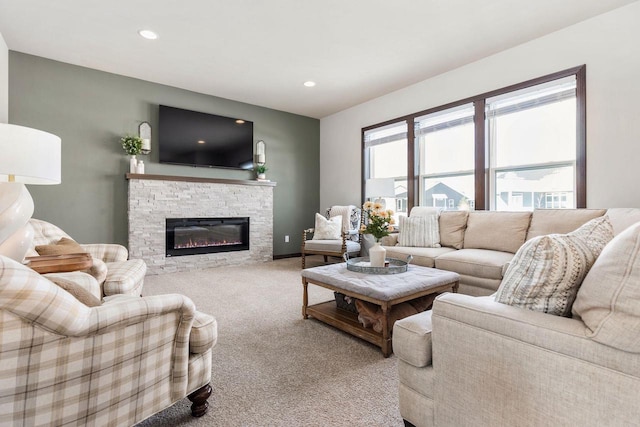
260	169
131	144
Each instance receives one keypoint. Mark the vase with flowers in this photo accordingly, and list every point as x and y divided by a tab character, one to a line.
132	145
379	223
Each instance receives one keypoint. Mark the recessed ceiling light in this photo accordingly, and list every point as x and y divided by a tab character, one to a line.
239	121
201	142
148	34
309	83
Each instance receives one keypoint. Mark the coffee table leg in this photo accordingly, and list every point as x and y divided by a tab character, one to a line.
305	298
386	339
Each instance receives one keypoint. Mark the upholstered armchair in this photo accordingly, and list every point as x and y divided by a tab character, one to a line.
347	241
116	363
114	272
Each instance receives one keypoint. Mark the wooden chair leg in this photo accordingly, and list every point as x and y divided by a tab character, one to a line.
303	260
199	400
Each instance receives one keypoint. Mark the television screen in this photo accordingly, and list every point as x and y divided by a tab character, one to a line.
201	139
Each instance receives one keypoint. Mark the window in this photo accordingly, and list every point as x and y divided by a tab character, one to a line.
445	141
532	140
518	148
385	155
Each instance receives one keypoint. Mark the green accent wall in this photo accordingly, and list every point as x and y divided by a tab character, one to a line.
90	110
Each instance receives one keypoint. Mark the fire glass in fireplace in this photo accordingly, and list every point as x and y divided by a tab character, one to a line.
191	236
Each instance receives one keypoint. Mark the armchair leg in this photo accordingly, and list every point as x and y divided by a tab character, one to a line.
199	400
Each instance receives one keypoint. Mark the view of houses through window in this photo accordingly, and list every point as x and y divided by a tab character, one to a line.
530	151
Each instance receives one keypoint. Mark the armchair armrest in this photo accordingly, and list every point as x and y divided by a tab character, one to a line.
37	300
107	252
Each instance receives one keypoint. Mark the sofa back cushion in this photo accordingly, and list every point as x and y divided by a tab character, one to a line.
499	231
622	218
452	227
609	300
560	221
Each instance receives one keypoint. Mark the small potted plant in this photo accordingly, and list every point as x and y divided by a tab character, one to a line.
260	171
133	146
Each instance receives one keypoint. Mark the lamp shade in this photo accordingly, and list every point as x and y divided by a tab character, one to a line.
380	187
29	156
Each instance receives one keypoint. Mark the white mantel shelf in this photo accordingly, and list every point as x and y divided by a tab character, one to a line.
197	179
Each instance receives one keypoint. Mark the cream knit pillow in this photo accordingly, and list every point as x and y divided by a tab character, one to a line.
419	231
546	272
328	229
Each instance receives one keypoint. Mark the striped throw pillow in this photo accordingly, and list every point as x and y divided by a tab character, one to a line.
546	272
419	231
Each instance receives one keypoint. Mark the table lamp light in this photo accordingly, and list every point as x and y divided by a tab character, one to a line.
379	188
27	156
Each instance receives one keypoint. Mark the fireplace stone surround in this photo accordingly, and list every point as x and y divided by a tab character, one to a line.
154	198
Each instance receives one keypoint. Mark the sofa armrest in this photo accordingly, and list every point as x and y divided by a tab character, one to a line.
107	252
557	334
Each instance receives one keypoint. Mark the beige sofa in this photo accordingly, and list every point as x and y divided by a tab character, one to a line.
473	361
478	245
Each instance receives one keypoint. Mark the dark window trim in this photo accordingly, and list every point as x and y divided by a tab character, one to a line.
481	145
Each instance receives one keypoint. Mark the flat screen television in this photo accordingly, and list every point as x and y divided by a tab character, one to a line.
200	139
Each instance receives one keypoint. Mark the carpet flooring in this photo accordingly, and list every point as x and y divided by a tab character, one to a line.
270	366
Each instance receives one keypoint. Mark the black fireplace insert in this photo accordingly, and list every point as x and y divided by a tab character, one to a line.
192	236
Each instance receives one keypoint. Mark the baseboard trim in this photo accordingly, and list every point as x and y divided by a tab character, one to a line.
275	257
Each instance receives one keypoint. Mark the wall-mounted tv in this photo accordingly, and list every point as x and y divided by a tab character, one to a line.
200	139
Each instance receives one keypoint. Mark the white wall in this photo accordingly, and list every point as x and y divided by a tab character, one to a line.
4	81
607	44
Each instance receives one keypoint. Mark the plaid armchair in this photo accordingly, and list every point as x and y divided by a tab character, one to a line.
63	363
114	272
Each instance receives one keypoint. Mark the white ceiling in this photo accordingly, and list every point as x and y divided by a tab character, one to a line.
260	52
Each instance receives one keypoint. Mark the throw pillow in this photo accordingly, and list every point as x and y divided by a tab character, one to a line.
62	247
419	231
77	291
546	272
327	229
609	298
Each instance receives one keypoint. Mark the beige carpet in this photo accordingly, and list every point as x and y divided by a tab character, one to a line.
271	367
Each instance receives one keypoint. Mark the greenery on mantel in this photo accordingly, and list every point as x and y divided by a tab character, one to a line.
131	144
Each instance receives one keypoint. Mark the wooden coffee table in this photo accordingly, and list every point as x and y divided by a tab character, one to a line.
385	290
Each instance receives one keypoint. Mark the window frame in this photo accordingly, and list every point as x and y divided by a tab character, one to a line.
482	172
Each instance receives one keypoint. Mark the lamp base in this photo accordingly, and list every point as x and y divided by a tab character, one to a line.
16	208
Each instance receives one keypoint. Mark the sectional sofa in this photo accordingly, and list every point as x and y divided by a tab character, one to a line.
473	361
478	245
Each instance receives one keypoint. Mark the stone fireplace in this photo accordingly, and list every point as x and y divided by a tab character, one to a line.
154	199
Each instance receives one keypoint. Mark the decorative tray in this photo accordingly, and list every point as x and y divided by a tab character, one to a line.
392	265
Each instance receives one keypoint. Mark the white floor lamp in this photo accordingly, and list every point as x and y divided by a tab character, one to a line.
27	156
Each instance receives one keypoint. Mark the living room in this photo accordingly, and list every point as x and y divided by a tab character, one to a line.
314	160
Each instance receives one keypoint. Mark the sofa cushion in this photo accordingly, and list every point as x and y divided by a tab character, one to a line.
419	231
562	221
412	339
609	300
475	262
330	245
500	231
452	226
547	271
327	229
421	256
622	218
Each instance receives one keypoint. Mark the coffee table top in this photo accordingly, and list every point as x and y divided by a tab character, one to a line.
384	287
